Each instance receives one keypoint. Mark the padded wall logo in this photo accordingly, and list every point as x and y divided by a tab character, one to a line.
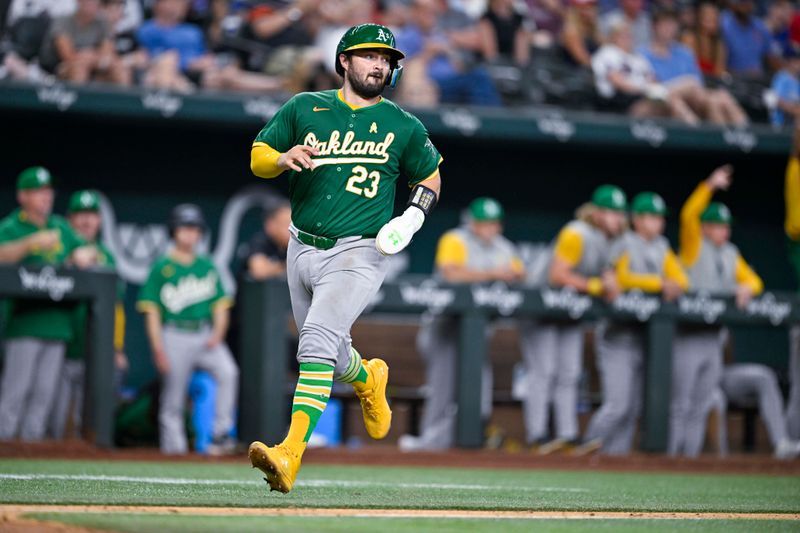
770	307
264	108
556	126
567	300
165	103
58	96
427	294
703	305
745	140
497	296
46	280
649	132
464	121
638	304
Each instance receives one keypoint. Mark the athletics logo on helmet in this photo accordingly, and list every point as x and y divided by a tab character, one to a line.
486	210
368	36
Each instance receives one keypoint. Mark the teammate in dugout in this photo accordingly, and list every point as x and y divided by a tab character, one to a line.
345	150
186	316
643	260
792	228
83	214
553	350
714	266
37	330
477	253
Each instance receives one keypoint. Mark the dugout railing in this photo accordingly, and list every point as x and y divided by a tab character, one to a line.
265	311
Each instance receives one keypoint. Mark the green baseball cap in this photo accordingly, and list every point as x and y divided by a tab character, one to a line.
486	209
86	200
717	213
34	178
610	197
367	36
649	203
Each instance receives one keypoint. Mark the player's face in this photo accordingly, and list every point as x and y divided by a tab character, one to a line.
366	72
187	237
86	224
648	225
277	226
38	201
611	222
718	234
486	230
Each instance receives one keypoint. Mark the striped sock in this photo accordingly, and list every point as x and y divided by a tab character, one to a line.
310	398
355	372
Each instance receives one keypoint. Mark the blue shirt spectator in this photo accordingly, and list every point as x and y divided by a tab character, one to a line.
186	39
786	87
678	63
748	43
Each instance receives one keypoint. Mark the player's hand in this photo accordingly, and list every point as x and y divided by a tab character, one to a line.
44	240
611	287
84	257
121	361
504	274
396	234
214	340
721	178
743	295
298	158
161	361
670	290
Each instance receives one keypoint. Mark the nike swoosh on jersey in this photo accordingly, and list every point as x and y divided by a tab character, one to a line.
316	109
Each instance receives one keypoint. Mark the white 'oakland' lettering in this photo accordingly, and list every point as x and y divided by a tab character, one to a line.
348	146
189	291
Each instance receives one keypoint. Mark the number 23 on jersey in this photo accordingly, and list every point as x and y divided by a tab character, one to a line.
356	183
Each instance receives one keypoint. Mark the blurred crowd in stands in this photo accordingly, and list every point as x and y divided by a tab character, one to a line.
726	62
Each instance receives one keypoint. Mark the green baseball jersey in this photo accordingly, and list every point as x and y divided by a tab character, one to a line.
183	293
39	318
362	152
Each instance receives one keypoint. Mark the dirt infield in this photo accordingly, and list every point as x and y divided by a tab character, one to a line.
389	455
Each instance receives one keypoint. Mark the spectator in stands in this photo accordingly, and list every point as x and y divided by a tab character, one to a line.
676	67
548	19
777	21
335	17
265	253
476	253
36	331
786	90
444	48
23	39
124	21
580	35
705	40
625	80
632	12
504	33
747	39
181	59
79	48
83	214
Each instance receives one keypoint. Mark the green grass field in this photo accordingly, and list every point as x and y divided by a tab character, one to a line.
359	487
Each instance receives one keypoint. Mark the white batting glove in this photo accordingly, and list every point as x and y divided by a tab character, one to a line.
397	233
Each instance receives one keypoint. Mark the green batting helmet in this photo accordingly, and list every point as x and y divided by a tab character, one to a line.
86	200
610	197
717	213
485	210
368	36
649	203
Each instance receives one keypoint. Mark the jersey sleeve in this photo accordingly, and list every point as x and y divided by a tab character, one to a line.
674	271
792	198
635	280
747	276
569	246
690	228
279	133
149	293
451	250
420	159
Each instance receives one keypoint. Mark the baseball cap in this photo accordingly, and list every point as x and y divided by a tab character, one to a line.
486	209
610	197
85	200
649	203
34	178
717	213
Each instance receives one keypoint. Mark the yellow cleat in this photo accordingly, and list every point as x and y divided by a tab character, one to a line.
374	407
279	463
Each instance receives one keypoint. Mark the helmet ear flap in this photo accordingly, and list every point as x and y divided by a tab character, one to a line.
394	76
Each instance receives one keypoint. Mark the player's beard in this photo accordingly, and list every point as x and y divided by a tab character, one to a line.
367	88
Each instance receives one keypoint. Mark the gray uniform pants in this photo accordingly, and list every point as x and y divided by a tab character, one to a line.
696	374
437	343
751	384
793	404
69	400
553	355
620	357
30	376
187	351
329	289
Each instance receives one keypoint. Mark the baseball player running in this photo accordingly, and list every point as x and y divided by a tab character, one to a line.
186	317
643	261
715	266
553	351
344	150
792	227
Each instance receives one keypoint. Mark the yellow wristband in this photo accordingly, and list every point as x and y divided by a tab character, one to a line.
594	286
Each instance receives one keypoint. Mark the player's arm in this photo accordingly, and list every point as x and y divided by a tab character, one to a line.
629	280
746	276
220	320
690	227
18	249
792	189
261	267
567	254
451	262
152	325
267	162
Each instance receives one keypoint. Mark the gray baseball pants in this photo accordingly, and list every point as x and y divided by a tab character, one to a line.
329	289
187	351
553	355
69	400
620	359
30	378
793	404
437	343
696	374
751	384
